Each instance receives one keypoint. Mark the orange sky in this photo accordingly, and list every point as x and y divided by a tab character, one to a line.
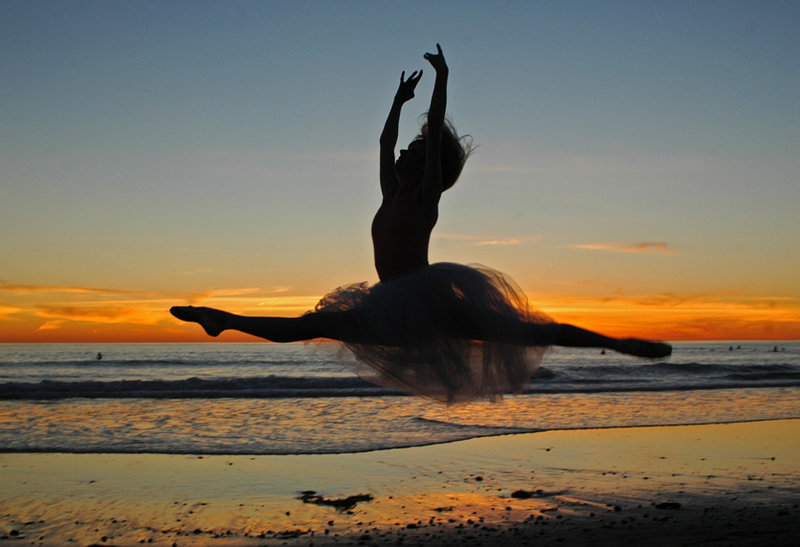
84	314
636	170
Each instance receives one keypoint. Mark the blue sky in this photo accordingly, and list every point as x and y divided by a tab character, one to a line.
198	146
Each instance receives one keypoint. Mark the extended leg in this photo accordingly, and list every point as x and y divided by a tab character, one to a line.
345	326
496	327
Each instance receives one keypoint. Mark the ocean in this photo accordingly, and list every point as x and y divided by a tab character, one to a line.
261	398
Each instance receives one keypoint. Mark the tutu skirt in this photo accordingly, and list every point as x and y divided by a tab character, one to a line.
447	331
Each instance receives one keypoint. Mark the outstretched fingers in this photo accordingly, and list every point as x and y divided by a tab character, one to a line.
405	91
414	76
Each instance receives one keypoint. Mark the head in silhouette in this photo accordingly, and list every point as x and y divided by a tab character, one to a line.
410	166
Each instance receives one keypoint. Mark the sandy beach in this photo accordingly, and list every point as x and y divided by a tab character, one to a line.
728	484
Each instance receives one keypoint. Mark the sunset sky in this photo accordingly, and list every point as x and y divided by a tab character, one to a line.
637	170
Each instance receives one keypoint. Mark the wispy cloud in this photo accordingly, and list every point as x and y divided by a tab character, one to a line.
456	237
507	241
486	241
651	247
98	313
51	325
139	295
244	164
5	311
675	316
34	289
54	307
228	293
522	157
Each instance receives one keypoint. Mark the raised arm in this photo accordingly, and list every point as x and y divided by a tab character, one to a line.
405	92
432	176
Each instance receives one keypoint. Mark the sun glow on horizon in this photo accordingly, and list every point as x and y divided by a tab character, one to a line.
84	314
644	186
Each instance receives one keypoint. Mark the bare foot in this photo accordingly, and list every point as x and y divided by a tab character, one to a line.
643	348
213	321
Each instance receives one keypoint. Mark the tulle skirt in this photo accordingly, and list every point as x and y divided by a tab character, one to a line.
447	331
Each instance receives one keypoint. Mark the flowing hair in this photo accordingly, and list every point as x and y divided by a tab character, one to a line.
455	151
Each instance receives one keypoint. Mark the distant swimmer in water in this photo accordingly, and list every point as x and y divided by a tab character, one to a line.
445	331
99	356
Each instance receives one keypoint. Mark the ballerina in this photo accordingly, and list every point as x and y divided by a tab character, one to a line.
445	331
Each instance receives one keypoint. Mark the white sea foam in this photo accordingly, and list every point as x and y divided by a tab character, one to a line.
277	399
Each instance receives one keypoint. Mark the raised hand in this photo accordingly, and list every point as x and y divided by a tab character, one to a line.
405	91
437	60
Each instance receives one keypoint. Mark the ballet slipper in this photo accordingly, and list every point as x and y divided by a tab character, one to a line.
210	319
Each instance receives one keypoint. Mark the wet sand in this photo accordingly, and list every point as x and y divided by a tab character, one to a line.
733	484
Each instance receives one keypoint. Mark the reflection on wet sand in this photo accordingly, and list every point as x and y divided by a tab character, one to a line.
661	485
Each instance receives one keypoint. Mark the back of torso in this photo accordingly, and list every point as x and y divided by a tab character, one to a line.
401	232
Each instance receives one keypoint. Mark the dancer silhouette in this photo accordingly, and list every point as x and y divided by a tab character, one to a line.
446	331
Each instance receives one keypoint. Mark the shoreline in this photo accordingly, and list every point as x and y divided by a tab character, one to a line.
730	484
4	451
